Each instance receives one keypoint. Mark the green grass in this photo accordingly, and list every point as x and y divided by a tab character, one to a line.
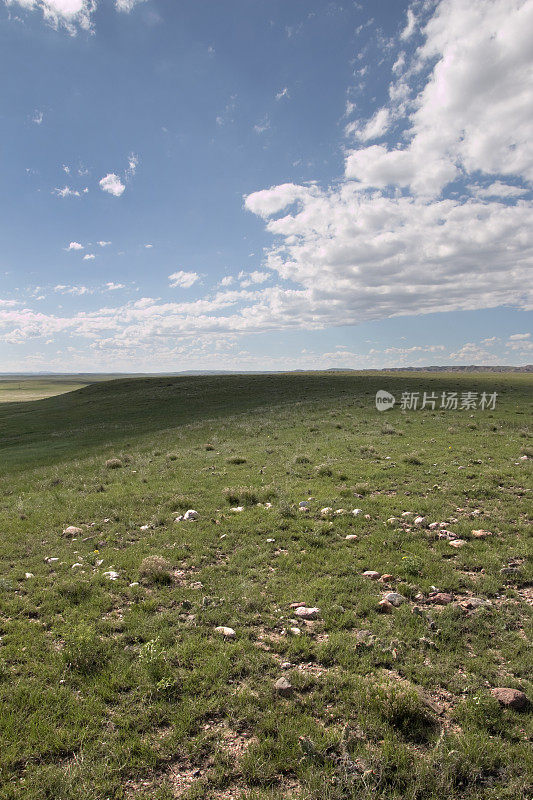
14	391
122	688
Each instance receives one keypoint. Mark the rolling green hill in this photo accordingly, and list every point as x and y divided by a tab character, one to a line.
116	683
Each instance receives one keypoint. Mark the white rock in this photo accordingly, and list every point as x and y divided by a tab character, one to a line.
111	575
224	536
307	613
357	511
295	631
191	514
145	527
229	633
351	537
340	511
372	574
407	513
135	583
51	560
99	562
29	575
326	511
268	505
394	598
420	521
271	540
433	525
77	564
72	530
457	542
179	518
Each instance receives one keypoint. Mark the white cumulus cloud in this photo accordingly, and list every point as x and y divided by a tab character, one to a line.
183	279
112	184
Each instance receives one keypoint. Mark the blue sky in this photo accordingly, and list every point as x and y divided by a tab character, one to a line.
265	184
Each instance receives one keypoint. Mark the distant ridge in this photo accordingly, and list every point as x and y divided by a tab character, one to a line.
110	375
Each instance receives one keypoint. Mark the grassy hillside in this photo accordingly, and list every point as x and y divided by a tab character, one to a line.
114	680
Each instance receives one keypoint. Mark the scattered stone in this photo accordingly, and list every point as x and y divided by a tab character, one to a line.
351	537
325	512
304	612
481	534
394	598
440	598
420	521
372	574
267	505
386	578
51	560
392	520
510	698
135	583
303	504
224	536
238	509
286	665
295	631
367	516
72	530
228	633
304	509
340	511
407	513
457	542
357	511
271	540
113	463
425	642
29	575
385	607
283	687
420	598
145	527
433	525
191	514
509	570
472	603
111	575
76	565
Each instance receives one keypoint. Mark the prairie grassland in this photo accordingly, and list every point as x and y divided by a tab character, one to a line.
114	681
15	391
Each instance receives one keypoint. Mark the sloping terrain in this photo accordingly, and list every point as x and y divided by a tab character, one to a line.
116	683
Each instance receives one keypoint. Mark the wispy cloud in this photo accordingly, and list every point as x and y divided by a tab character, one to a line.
183	279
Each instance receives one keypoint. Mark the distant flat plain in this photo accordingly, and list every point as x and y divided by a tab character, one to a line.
20	388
